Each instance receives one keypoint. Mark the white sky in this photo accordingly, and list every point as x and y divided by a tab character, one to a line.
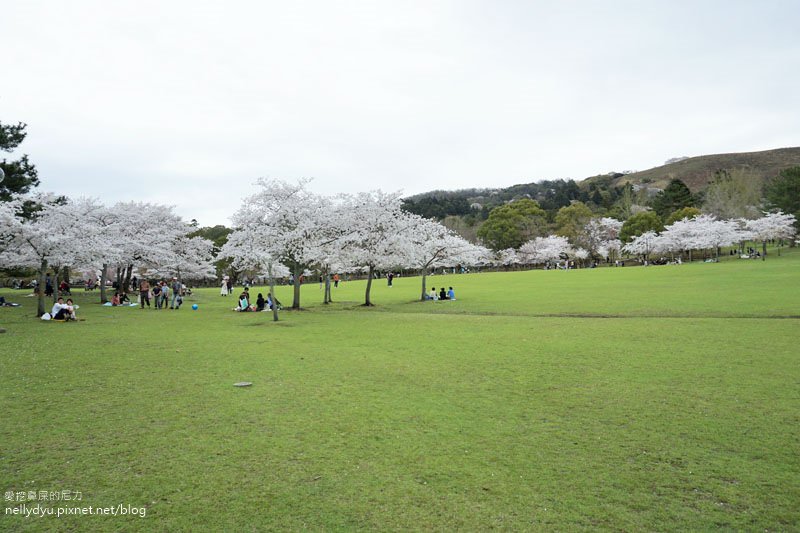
187	103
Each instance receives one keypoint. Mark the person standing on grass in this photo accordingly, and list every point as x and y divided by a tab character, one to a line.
335	280
390	278
164	294
176	292
144	293
157	295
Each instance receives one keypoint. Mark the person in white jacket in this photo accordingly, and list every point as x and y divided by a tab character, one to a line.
63	311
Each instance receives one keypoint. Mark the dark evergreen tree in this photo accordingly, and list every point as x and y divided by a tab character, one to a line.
676	196
783	192
20	175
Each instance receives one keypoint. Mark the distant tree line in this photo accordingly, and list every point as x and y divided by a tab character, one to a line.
501	218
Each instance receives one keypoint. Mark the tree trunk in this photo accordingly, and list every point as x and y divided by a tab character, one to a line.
298	271
119	278
367	302
424	287
272	294
56	284
126	281
40	287
764	250
103	279
328	298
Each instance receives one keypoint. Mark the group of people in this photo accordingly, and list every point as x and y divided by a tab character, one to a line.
752	253
63	287
260	305
160	292
63	310
443	294
120	298
334	278
227	286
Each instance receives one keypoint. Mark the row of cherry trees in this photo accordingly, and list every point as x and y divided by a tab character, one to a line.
600	238
83	234
286	224
706	232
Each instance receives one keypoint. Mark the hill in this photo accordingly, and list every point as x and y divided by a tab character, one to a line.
697	172
602	191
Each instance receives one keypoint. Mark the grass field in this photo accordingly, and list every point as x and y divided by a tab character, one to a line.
661	398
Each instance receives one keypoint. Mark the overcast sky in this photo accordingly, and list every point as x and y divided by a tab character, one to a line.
188	103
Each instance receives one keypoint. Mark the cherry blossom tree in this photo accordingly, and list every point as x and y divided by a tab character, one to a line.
377	223
581	255
269	227
58	234
597	232
290	223
642	245
428	244
771	226
506	258
251	248
107	222
10	231
331	254
190	258
541	250
145	236
682	235
713	233
610	248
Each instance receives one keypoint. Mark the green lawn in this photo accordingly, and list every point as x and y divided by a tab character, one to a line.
661	398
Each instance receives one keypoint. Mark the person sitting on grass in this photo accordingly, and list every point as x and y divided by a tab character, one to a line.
63	311
115	299
244	305
270	300
451	294
260	302
443	294
433	295
59	310
72	307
